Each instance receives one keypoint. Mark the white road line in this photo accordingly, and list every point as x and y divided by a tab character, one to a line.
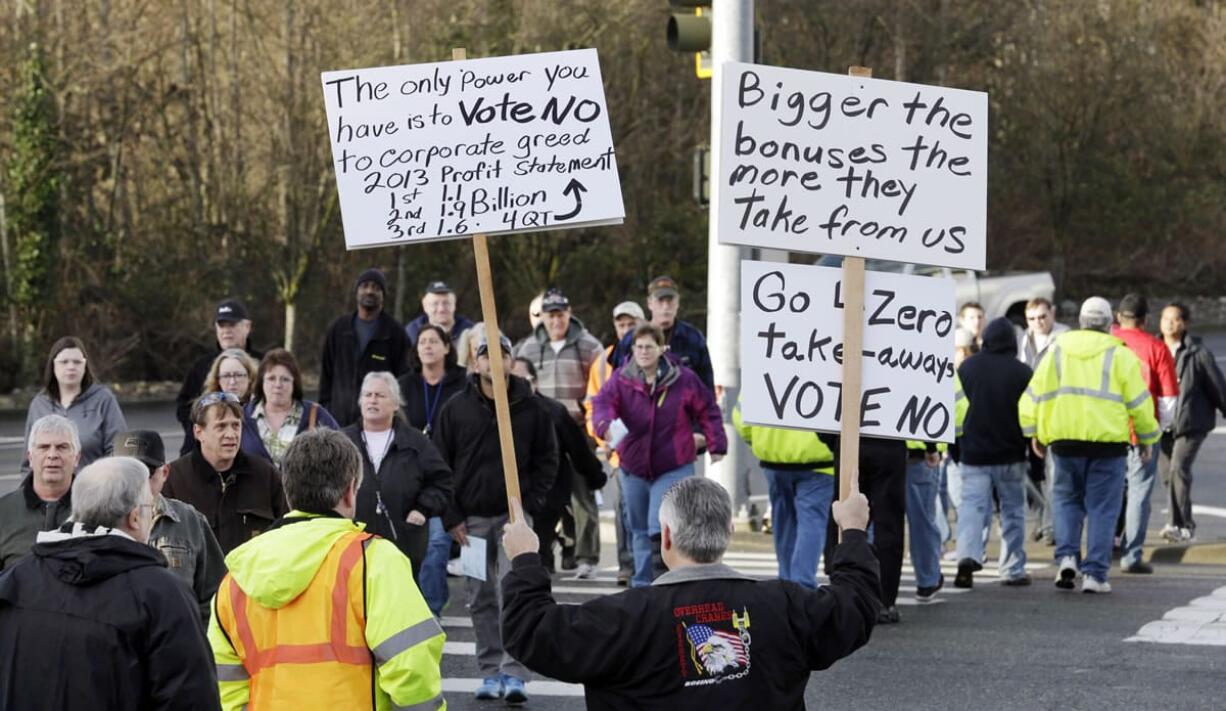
461	649
1215	511
456	621
1201	622
534	688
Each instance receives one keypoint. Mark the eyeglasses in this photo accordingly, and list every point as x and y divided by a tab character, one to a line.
68	361
233	376
214	398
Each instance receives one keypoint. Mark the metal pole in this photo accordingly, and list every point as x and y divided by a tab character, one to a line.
731	41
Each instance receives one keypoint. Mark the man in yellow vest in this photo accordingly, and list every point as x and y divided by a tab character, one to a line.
1084	394
317	613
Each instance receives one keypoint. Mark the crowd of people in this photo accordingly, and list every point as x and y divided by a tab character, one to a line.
312	538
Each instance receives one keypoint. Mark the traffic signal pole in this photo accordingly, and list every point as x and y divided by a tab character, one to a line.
731	41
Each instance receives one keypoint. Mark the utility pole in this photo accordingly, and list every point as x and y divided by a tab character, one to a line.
732	23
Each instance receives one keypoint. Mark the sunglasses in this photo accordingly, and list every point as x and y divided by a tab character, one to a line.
214	398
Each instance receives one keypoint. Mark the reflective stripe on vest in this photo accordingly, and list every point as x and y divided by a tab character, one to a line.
1102	393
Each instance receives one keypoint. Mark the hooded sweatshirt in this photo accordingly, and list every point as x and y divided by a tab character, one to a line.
93	620
993	380
96	414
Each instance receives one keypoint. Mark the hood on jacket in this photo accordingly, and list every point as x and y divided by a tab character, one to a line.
1086	343
1000	336
275	568
667	372
86	556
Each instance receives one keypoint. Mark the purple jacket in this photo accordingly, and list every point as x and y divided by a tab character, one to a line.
659	420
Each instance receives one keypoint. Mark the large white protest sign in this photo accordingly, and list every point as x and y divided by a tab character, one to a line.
792	351
834	164
490	146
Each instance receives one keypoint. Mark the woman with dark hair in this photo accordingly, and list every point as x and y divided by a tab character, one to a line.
69	390
277	412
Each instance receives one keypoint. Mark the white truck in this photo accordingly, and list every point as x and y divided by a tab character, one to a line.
998	294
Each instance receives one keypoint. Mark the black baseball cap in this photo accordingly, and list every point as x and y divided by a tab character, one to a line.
439	287
554	300
232	311
145	445
483	344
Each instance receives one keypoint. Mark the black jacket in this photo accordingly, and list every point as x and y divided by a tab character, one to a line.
660	647
467	437
575	456
341	368
97	622
413	389
993	380
23	515
193	385
411	476
1202	389
239	504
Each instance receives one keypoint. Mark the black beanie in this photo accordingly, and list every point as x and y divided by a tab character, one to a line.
374	275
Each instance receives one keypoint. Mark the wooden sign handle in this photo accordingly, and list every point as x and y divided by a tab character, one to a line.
853	348
489	314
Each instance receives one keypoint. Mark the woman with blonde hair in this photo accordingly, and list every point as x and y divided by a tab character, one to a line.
233	371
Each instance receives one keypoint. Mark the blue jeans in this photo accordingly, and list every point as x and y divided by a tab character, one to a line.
642	499
923	485
1087	488
800	507
433	581
945	502
977	484
1141	478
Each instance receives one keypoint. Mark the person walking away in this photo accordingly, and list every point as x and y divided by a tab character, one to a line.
993	451
1079	405
43	500
1202	390
278	411
317	613
232	325
703	636
93	620
1158	371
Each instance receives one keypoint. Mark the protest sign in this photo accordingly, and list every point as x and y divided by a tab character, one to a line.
833	164
489	146
792	351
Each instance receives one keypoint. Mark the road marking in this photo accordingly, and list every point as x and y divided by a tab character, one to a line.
1215	511
1201	622
534	688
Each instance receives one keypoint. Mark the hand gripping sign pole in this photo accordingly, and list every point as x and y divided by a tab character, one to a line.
853	345
489	314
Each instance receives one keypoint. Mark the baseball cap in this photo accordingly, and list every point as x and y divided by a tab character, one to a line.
1096	309
231	310
439	287
629	308
145	445
662	286
483	344
554	300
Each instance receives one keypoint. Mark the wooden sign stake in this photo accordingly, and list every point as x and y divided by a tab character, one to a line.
489	314
853	348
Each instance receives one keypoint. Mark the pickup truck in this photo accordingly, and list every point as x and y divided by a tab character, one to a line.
1000	295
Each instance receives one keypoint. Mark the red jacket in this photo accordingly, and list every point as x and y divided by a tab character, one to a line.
1157	368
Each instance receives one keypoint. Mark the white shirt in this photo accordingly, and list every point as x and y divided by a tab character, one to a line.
377	444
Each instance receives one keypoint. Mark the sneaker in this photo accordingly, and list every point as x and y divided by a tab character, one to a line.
491	688
950	556
888	615
967	567
926	594
1020	581
1138	568
455	568
623	578
1171	534
515	690
585	571
1065	579
1049	539
1187	535
1090	585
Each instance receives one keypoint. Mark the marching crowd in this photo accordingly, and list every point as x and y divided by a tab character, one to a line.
311	539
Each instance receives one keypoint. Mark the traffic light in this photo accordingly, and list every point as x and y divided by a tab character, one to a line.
691	32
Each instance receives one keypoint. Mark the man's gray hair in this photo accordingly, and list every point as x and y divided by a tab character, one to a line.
699	514
55	424
318	468
105	492
393	386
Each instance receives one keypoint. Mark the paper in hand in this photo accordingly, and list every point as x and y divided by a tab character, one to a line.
472	558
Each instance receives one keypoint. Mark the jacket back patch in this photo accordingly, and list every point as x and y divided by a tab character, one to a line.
712	643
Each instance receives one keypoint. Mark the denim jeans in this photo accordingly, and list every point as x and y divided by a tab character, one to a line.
433	581
923	484
800	505
977	485
621	524
1141	478
1087	489
642	499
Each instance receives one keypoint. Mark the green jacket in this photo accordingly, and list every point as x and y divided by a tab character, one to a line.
23	515
780	448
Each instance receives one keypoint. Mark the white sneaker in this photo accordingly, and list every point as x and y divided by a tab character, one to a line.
1067	575
585	571
1186	535
1090	585
1170	534
455	568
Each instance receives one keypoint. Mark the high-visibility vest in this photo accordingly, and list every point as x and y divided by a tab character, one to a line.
297	658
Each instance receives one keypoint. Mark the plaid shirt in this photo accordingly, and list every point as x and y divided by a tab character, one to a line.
278	442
